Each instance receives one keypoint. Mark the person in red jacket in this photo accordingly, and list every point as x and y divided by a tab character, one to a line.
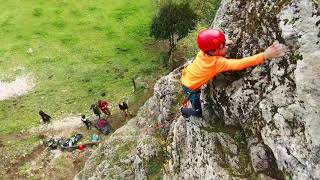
210	62
104	107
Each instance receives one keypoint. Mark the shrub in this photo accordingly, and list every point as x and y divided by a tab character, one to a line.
173	22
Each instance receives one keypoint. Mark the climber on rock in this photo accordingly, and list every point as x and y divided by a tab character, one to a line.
210	62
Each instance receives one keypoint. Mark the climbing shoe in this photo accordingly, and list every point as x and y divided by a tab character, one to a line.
183	114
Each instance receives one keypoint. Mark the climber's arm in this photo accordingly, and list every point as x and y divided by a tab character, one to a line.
240	64
273	51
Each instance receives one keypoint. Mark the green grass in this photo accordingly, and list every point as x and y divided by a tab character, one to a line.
80	50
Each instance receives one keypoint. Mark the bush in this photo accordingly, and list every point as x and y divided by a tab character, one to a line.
173	22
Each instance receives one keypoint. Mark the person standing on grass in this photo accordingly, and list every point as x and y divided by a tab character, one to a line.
210	62
86	121
45	117
95	110
104	106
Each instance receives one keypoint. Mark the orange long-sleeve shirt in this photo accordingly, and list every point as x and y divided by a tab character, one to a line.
205	67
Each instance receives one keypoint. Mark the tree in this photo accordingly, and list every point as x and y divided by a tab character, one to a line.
173	22
205	9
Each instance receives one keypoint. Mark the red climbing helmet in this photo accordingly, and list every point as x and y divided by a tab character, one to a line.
210	39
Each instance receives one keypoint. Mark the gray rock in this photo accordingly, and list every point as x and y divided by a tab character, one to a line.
281	103
259	158
264	177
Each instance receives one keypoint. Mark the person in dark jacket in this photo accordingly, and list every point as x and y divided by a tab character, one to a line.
86	121
95	110
124	107
45	117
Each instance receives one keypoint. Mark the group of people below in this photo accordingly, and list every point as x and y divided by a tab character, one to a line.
97	108
103	106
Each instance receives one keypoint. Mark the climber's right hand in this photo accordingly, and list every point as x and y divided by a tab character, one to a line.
274	51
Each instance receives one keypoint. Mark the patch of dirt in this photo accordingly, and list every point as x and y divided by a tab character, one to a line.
1	144
67	124
56	164
18	87
44	163
14	168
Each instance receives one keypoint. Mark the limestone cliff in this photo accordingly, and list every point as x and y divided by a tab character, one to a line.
258	124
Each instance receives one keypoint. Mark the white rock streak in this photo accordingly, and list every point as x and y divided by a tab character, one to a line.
18	87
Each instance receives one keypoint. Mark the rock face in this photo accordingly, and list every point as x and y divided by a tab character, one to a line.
258	124
279	101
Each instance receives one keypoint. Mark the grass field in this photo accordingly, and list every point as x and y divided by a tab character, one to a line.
74	50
